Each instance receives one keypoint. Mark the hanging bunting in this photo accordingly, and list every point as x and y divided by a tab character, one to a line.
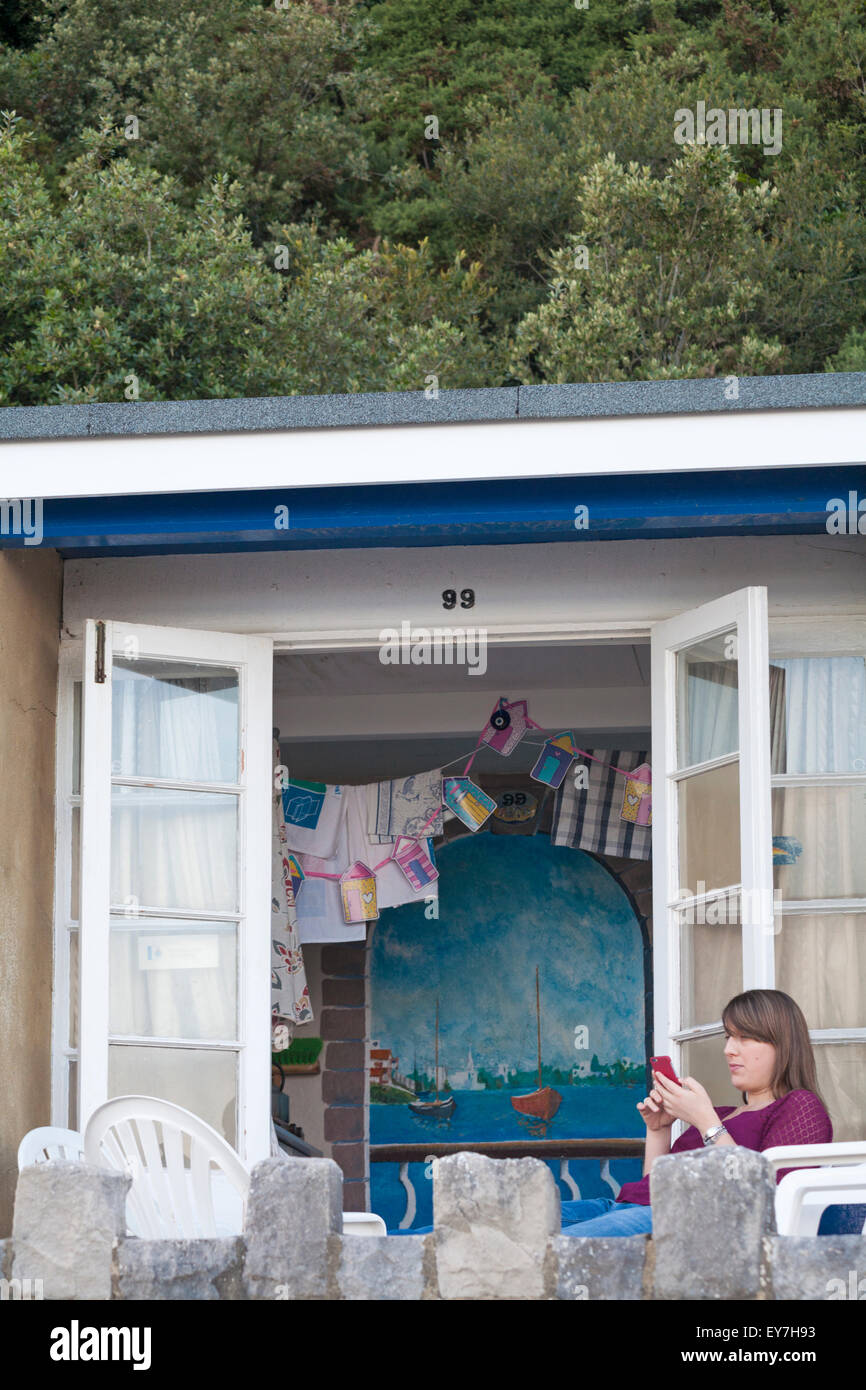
292	867
468	802
358	892
554	760
637	801
506	726
416	863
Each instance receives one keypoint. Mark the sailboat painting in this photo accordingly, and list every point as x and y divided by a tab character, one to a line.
544	1101
438	1106
466	1050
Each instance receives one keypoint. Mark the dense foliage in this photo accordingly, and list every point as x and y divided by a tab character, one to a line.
241	198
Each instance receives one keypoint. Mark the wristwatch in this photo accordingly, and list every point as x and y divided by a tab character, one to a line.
712	1134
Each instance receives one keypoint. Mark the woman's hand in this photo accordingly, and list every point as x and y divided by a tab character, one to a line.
652	1110
689	1102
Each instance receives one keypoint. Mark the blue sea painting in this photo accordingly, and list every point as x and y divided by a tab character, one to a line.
507	904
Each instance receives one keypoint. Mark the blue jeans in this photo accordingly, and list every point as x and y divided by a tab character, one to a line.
593	1216
602	1216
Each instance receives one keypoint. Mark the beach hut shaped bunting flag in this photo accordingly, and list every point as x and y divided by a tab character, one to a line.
358	891
637	801
416	863
292	866
468	802
506	726
555	759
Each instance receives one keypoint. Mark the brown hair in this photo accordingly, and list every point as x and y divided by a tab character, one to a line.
769	1016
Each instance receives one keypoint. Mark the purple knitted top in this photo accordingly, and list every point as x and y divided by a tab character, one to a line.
797	1118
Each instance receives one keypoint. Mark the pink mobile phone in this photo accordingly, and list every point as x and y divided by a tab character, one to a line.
665	1066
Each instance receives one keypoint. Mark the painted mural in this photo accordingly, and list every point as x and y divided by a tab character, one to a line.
458	1009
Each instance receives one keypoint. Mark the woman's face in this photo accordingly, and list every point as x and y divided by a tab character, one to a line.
751	1063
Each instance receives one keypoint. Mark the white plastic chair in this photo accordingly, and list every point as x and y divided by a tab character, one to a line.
363	1223
42	1145
833	1174
186	1180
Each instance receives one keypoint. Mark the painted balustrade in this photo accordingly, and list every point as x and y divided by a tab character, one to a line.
550	1150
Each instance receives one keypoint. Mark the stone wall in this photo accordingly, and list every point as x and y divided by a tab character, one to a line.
30	590
496	1236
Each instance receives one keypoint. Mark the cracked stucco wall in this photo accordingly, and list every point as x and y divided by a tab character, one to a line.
30	599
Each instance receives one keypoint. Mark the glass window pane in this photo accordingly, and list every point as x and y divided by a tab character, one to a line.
76	738
72	1101
818	714
707	700
711	959
709	829
200	1079
841	1068
704	1059
821	962
73	989
819	841
174	849
174	720
173	979
75	866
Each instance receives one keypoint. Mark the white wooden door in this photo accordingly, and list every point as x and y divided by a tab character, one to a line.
175	874
712	829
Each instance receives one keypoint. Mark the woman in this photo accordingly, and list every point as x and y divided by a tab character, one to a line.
770	1057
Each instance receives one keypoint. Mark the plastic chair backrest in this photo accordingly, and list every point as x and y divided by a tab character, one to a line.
187	1181
363	1223
802	1197
42	1145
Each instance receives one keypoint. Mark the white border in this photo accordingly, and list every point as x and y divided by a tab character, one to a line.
339	457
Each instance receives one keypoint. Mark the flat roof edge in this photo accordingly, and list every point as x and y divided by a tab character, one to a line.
588	400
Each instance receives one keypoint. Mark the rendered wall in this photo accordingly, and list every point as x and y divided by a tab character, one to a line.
30	595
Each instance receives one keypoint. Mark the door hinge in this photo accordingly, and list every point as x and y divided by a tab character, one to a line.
99	673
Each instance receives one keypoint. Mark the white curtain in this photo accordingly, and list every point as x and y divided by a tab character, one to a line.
825	714
173	850
821	956
712	710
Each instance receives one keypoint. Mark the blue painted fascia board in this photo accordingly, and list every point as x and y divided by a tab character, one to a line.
641	506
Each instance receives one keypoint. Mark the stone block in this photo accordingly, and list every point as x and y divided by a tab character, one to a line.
344	1087
710	1212
342	1024
348	959
390	1268
355	1195
5	1259
344	1123
346	1056
344	994
294	1210
817	1269
597	1268
493	1219
67	1218
178	1269
353	1162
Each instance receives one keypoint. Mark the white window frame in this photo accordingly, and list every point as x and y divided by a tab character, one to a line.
744	612
253	656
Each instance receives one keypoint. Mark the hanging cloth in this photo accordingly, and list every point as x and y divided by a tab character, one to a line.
290	994
591	818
